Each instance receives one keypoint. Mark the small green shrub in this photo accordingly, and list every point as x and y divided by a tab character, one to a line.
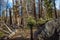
31	21
48	18
41	21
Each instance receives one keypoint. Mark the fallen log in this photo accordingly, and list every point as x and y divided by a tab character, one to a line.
6	32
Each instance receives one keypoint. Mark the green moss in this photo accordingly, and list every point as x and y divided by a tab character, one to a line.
48	18
31	21
1	34
41	21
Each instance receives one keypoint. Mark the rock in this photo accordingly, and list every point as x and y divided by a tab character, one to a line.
48	30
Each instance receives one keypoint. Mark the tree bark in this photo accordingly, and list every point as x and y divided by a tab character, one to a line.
40	8
21	12
55	9
10	17
34	9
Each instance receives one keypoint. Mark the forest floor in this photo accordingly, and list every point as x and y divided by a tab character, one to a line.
22	34
25	33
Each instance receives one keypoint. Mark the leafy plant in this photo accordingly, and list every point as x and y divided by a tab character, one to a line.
47	18
41	21
31	21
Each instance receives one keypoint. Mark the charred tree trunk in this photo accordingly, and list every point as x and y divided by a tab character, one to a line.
10	16
39	8
6	12
31	30
34	9
55	9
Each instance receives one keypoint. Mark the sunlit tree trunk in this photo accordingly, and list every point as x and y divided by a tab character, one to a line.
27	7
40	8
33	8
16	12
21	12
13	12
24	8
4	15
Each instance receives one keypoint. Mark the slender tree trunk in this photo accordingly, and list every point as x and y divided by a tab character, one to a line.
27	8
55	9
21	12
16	14
34	9
0	8
40	8
31	30
16	11
10	16
33	12
13	12
6	12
